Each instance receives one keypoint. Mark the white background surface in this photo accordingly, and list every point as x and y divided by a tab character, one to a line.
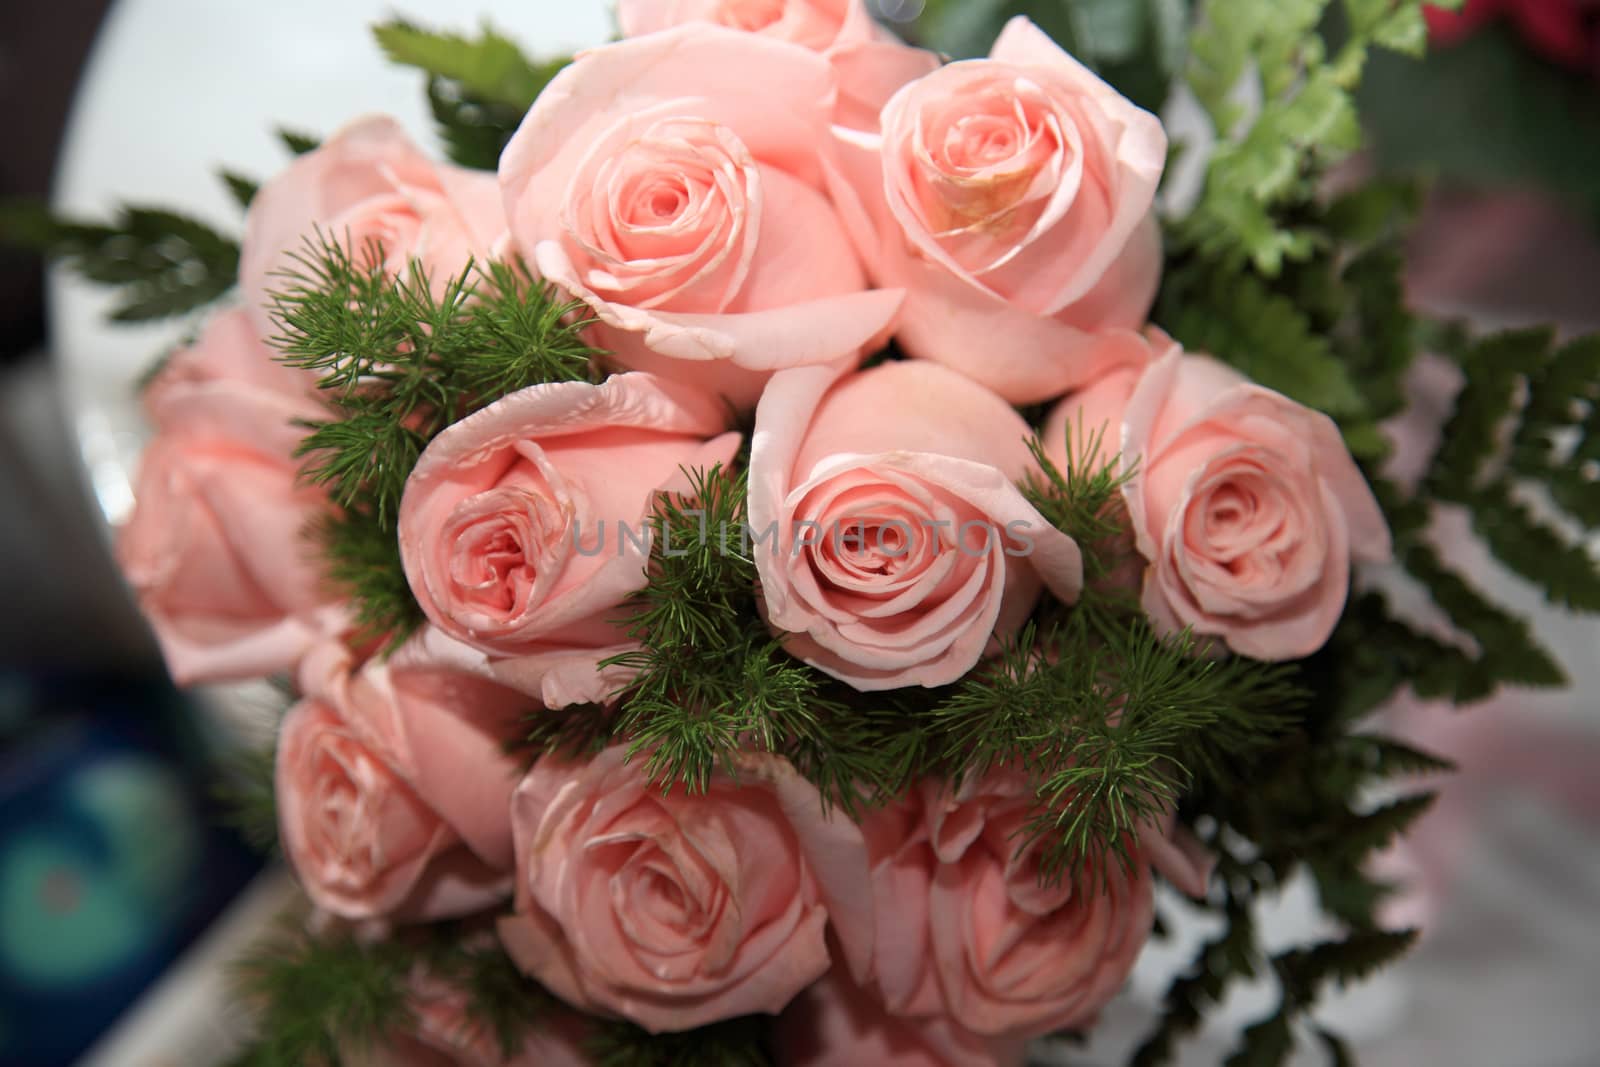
177	88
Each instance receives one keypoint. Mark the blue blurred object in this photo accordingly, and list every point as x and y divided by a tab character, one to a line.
111	858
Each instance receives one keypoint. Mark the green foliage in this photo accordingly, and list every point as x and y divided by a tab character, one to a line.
1084	501
1266	163
1302	973
318	996
1331	331
474	132
163	263
1522	388
711	682
502	1002
242	189
1270	338
1138	46
735	1043
478	88
244	788
399	359
298	142
1113	725
1302	810
361	555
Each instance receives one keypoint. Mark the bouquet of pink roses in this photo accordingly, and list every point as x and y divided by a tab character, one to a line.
760	586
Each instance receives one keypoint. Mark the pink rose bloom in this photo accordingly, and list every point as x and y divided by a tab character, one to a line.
965	930
675	911
869	63
216	548
230	349
394	791
1246	505
524	526
368	182
688	212
1011	198
895	544
836	1024
820	25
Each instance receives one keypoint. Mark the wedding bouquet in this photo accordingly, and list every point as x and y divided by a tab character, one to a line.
787	540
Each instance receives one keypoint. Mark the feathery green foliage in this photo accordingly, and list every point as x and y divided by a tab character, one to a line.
479	88
711	683
501	1001
163	263
361	555
1084	502
1113	725
244	788
318	996
398	360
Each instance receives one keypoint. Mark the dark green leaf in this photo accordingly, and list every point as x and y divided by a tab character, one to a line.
164	263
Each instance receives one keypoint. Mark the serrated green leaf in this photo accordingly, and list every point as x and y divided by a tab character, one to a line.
1271	340
1268	1043
474	132
1339	1053
489	66
164	263
297	142
1563	569
243	189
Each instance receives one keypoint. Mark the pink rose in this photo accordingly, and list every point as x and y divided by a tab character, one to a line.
230	350
368	182
688	212
820	25
836	1024
524	526
1011	198
1246	506
675	911
894	542
216	548
394	791
965	930
869	62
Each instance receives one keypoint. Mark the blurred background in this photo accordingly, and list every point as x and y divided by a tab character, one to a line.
113	864
112	859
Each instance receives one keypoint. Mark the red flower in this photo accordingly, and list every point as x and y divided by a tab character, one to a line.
1564	31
